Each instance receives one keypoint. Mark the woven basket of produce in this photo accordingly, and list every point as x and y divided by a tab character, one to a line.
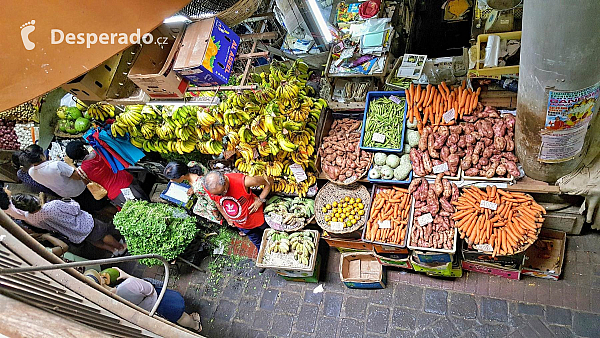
498	222
342	209
289	214
61	134
239	12
342	160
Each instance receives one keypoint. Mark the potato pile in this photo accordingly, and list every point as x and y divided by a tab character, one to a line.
434	199
435	148
342	160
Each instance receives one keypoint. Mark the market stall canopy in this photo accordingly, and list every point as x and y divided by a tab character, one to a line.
39	53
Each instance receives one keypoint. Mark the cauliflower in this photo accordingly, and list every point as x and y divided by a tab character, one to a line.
413	137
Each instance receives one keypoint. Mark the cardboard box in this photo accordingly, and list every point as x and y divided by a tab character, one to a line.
384	249
432	257
544	259
509	262
207	53
450	269
304	271
361	270
492	269
152	71
94	85
314	278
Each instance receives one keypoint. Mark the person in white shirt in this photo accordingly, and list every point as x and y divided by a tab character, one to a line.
59	177
144	294
64	217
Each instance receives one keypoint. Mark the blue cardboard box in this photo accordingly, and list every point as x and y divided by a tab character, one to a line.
362	270
207	53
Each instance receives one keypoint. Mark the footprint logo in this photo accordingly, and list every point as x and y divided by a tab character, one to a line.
26	29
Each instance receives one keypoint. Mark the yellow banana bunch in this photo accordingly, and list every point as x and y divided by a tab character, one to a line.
205	118
100	112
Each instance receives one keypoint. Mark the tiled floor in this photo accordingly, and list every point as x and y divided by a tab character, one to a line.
245	303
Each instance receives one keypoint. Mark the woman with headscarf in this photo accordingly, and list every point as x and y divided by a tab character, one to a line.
96	170
193	173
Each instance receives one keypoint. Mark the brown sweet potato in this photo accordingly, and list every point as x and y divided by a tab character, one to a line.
427	162
487	141
439	140
444	153
489	173
453	160
499	128
424	140
512	168
456	130
446	206
510	121
501	170
455	193
447	188
438	186
462	143
472	172
470	139
510	144
452	139
499	143
510	156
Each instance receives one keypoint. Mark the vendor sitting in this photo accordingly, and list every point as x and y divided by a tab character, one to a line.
239	206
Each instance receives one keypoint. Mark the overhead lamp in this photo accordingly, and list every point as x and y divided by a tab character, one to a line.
176	19
316	12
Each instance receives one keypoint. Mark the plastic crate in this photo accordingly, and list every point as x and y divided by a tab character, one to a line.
481	38
382	181
371	96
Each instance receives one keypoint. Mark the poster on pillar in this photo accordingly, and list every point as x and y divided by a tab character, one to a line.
568	117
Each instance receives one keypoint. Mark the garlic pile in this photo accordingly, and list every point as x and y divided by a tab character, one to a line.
23	131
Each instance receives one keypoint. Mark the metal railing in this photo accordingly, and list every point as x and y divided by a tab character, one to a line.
8	271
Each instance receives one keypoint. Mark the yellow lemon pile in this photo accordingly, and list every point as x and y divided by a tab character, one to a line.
347	211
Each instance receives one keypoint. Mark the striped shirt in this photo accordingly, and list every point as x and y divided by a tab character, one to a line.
58	216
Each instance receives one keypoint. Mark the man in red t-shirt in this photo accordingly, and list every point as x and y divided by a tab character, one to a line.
238	205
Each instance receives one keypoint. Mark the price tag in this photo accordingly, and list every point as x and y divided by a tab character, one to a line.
425	219
337	226
298	172
440	168
350	179
483	247
449	115
385	224
395	99
277	218
128	194
488	205
377	137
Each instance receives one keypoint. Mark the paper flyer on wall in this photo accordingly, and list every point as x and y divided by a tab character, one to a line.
568	117
412	66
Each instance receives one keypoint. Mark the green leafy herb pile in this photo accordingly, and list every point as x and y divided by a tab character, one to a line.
155	228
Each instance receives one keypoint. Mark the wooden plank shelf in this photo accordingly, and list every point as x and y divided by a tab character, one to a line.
349	106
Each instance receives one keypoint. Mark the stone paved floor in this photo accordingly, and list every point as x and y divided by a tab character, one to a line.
247	304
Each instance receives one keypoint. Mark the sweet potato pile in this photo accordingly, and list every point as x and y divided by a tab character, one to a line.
483	146
342	160
435	199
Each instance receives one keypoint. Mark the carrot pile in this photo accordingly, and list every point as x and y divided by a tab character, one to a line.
429	104
389	204
512	225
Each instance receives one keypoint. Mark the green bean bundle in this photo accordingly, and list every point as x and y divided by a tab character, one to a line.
384	117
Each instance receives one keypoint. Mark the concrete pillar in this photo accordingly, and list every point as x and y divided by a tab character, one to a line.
560	50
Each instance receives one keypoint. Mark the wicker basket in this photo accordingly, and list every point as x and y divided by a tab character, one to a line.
277	226
353	179
239	12
332	192
61	134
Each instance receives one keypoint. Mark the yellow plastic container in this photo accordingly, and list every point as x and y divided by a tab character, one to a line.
480	71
